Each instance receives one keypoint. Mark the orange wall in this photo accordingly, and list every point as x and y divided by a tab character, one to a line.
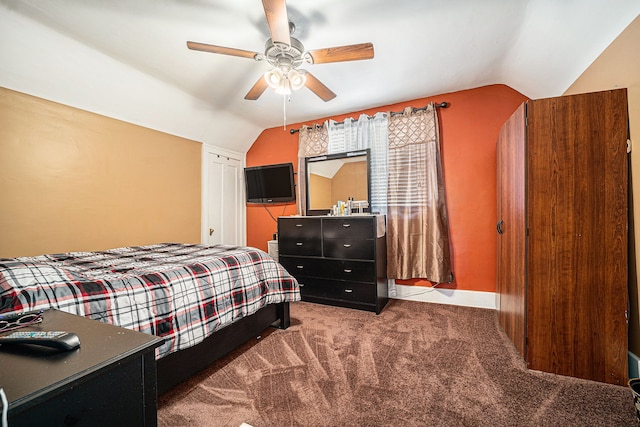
273	146
469	129
71	180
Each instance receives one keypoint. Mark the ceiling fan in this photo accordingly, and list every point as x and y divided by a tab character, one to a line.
286	54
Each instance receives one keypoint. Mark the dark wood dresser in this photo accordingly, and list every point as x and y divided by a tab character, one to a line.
110	380
338	260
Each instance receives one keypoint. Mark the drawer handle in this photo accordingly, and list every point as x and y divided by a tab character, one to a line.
346	225
299	243
298	225
299	267
347	245
301	284
348	291
346	270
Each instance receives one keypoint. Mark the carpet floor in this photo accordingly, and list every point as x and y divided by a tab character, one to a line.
415	364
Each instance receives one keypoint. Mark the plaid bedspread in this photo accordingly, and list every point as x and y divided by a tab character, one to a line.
180	292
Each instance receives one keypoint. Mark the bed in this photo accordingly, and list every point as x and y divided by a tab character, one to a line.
204	300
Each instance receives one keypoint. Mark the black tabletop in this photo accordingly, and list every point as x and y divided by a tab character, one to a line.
27	372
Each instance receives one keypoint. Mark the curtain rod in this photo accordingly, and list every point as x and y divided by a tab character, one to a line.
393	113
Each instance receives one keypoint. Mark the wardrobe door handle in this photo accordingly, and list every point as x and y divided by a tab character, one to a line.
499	227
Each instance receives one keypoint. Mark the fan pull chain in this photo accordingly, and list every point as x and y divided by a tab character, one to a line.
284	111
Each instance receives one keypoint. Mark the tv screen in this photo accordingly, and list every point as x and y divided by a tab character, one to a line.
270	183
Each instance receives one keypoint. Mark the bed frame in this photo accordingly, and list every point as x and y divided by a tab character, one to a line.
176	367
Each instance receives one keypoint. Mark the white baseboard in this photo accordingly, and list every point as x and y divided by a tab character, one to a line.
444	296
634	366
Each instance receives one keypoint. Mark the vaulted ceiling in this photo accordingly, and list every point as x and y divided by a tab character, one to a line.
128	59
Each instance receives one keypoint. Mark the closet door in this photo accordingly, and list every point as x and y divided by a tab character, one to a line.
511	229
223	207
577	252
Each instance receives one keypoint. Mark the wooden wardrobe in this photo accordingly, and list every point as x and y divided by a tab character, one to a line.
562	234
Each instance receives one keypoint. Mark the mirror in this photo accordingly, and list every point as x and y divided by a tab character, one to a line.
335	177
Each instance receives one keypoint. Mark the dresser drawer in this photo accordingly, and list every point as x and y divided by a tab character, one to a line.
299	228
349	228
349	248
338	290
300	266
300	246
357	271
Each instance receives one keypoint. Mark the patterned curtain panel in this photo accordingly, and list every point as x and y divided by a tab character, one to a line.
312	141
417	221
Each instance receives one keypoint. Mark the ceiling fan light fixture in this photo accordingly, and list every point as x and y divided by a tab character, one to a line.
296	78
284	82
274	77
284	88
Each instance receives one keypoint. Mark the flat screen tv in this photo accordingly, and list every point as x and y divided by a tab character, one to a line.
270	184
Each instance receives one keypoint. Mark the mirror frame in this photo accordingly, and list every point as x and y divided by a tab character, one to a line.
336	156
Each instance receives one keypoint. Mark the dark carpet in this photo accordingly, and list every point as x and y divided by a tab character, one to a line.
415	364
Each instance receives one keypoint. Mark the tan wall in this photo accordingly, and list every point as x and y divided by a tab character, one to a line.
321	198
617	67
350	181
72	180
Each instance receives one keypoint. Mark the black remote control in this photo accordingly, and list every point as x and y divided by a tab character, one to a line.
60	340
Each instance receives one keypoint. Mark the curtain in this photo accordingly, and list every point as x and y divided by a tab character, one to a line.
366	132
312	141
406	184
417	221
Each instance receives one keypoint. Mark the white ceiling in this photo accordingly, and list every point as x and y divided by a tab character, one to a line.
128	59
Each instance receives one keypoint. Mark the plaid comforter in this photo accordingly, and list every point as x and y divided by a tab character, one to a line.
177	291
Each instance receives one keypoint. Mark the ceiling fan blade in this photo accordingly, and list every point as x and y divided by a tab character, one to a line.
278	20
354	52
223	50
318	88
257	89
